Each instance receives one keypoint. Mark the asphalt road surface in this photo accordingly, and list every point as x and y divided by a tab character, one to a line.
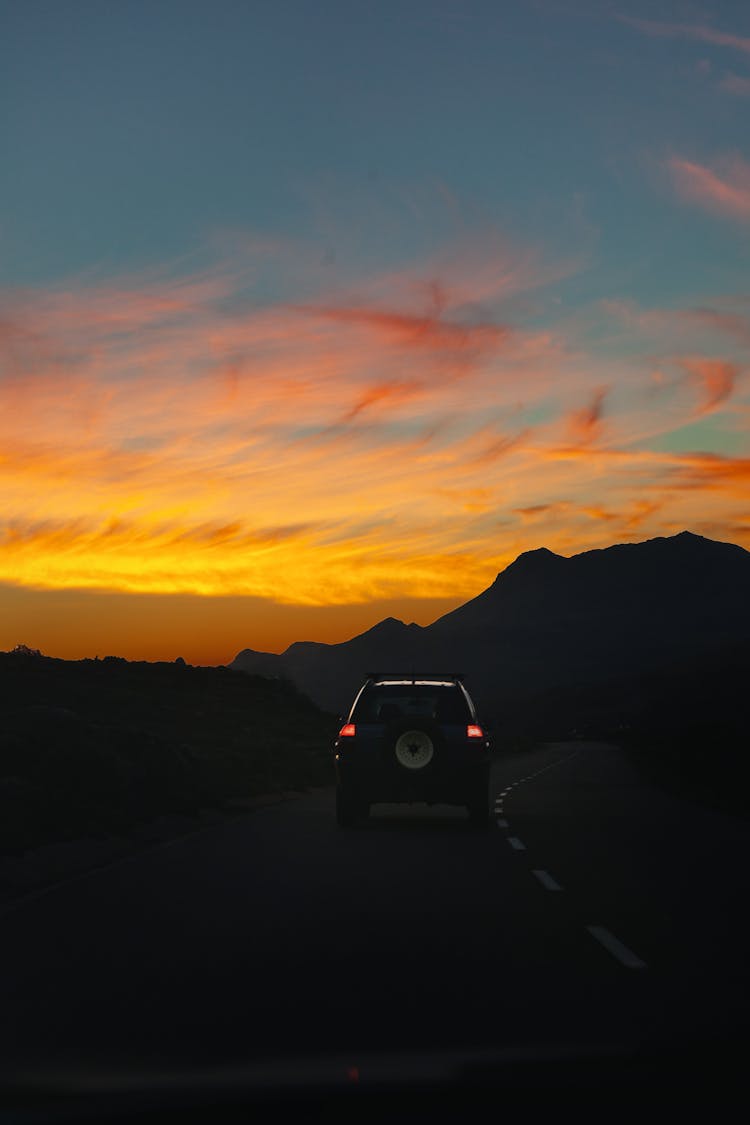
596	912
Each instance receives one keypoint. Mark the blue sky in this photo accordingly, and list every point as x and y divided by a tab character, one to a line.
137	130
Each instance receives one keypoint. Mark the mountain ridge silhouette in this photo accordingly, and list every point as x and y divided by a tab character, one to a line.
548	622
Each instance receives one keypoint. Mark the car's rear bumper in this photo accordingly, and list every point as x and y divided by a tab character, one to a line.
454	779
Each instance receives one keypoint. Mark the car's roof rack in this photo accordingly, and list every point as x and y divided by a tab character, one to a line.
414	676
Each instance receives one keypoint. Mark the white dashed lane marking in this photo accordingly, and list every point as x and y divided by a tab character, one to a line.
614	946
547	881
604	936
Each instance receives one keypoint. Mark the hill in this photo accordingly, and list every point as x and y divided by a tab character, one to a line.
93	746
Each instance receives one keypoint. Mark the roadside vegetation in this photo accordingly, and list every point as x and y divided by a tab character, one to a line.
93	747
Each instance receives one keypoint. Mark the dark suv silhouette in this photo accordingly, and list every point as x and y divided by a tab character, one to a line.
412	738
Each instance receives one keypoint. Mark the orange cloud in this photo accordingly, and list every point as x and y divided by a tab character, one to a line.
400	437
597	512
537	511
380	393
716	378
453	342
712	471
726	192
488	446
585	425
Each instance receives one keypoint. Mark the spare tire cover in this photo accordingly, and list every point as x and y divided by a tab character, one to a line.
414	749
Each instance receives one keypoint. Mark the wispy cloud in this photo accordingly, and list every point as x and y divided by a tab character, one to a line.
736	84
715	377
713	471
723	322
585	425
703	33
724	190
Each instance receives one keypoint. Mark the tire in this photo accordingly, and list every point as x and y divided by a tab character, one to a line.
413	745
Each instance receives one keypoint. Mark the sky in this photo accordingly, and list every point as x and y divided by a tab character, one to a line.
313	313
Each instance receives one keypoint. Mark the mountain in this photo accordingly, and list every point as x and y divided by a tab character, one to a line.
330	674
553	636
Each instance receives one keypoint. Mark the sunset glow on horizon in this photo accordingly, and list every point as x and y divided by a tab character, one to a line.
307	420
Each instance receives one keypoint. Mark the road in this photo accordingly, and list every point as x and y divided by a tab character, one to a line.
597	911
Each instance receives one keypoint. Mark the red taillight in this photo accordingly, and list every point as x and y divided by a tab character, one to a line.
348	731
474	731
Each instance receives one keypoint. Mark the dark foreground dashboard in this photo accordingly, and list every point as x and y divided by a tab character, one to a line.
602	1084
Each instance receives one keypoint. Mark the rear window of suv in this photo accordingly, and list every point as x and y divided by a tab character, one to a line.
382	703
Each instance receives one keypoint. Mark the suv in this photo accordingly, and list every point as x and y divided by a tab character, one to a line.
412	738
